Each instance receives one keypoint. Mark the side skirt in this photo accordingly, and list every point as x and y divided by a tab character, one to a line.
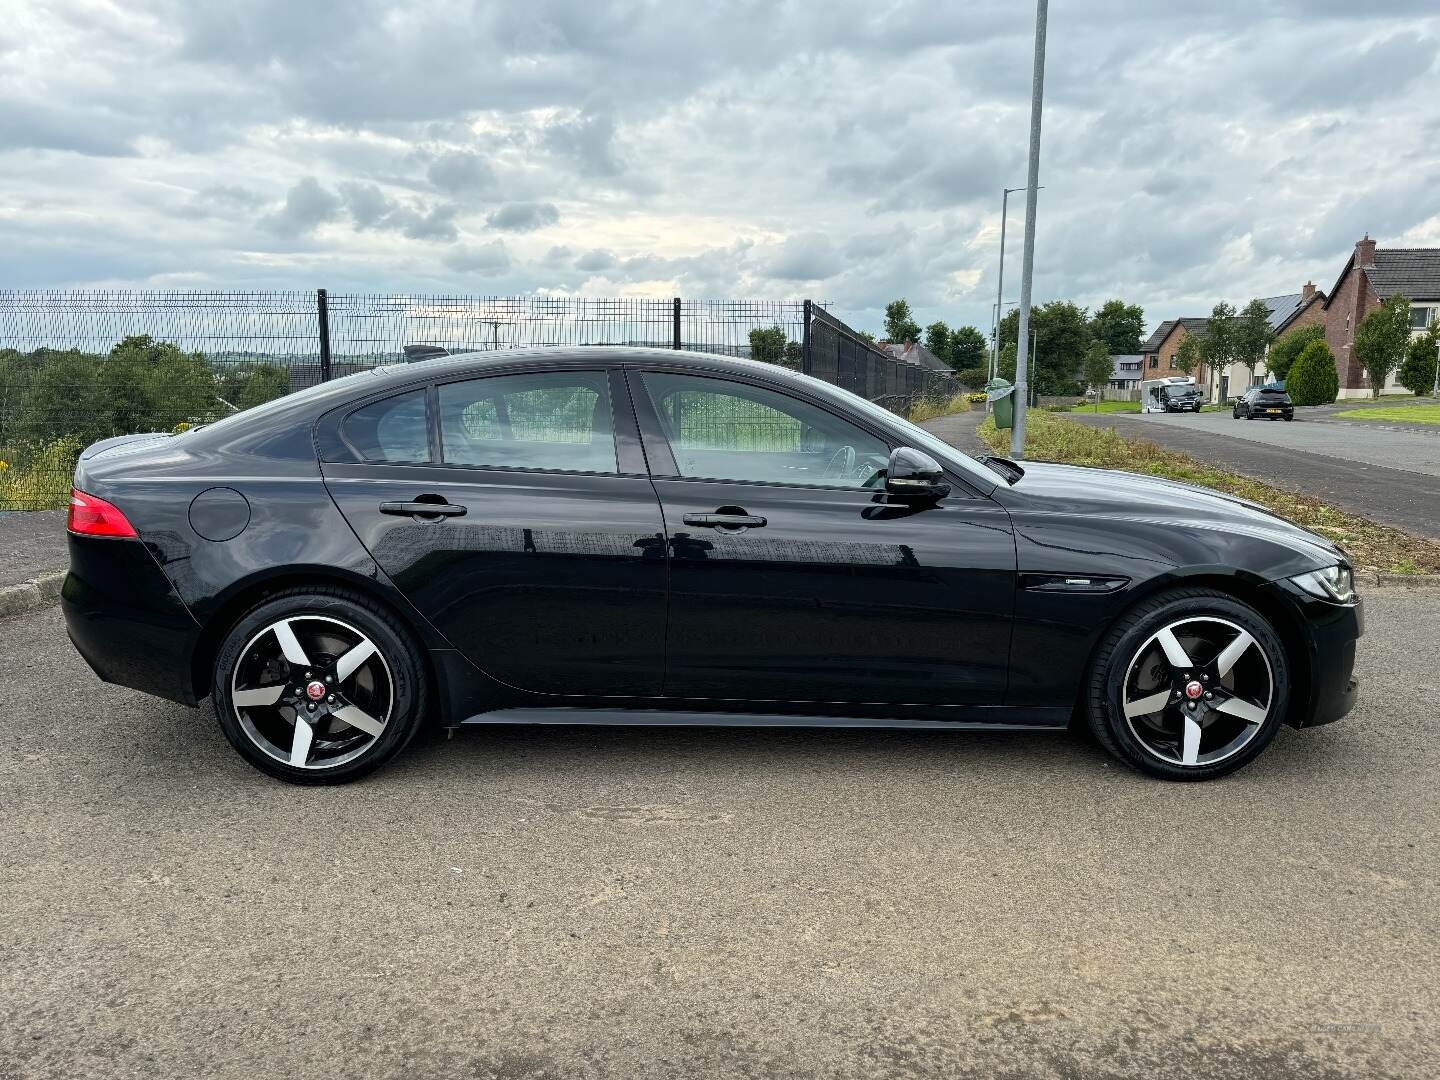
1017	719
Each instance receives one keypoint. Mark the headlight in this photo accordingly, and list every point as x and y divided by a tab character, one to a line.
1335	583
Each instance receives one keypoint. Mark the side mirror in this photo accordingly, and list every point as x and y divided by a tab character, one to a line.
915	474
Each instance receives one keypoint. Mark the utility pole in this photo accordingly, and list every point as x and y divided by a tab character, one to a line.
1027	271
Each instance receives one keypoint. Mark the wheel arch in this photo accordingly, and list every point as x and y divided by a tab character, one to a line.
245	594
1250	591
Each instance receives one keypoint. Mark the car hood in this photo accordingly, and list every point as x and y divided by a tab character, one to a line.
1136	497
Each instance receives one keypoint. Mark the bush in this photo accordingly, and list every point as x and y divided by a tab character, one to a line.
976	399
38	477
1312	379
1287	349
1417	373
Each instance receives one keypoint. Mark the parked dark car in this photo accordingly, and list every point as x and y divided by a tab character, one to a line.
1183	400
645	537
1264	403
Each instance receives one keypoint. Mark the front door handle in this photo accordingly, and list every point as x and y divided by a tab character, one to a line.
725	521
422	508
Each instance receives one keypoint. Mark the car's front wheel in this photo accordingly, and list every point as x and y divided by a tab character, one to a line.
1189	685
319	686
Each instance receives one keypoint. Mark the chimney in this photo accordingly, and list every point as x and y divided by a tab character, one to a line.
1365	252
1307	292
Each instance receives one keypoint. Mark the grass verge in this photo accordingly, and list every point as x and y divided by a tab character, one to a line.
1371	545
1410	414
925	409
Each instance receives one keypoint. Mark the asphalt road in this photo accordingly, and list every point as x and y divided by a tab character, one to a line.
1388	473
31	542
641	903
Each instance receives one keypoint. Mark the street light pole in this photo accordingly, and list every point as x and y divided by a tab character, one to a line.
1027	272
1000	284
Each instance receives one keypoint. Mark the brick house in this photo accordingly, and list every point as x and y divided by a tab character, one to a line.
1287	312
1371	275
1158	353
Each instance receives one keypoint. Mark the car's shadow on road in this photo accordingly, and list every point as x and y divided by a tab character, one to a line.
638	755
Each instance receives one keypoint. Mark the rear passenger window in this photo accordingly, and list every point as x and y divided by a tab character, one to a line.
391	430
558	421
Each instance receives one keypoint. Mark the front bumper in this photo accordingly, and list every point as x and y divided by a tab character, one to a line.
1329	633
125	618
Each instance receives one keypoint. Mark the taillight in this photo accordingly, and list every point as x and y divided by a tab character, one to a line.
90	516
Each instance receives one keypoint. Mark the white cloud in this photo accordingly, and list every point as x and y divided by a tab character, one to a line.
846	151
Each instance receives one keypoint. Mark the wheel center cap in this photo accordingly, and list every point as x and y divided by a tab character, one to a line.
316	690
1193	690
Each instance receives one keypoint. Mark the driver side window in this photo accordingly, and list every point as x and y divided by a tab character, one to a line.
721	430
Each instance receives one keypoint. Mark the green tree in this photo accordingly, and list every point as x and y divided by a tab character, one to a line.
969	348
900	324
1312	379
1119	325
867	335
1288	347
1219	341
937	340
56	393
1062	332
1380	340
1098	368
1417	373
265	382
1005	362
154	385
1189	354
767	344
1252	335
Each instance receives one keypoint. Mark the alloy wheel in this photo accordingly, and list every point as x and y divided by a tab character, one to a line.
312	692
1198	691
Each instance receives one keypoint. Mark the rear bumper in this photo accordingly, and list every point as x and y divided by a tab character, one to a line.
126	620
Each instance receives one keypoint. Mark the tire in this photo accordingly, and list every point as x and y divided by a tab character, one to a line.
1231	726
1288	419
369	704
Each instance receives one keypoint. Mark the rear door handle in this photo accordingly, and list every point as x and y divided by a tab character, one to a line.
725	521
411	509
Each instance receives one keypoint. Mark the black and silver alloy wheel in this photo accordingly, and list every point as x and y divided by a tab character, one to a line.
1188	685
1198	691
312	692
319	686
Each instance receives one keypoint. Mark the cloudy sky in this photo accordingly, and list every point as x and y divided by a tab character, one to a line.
846	151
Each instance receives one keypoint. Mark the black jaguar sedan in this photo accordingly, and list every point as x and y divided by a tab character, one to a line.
632	536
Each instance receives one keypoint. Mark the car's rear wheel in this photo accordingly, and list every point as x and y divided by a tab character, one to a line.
319	686
1190	685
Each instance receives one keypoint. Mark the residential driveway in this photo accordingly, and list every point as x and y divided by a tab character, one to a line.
1385	473
644	904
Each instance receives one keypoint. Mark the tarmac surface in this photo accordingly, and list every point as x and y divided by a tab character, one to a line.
545	903
1387	472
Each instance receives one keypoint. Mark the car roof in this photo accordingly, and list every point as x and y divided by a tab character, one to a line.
547	355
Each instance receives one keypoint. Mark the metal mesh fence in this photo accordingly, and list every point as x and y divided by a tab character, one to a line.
77	366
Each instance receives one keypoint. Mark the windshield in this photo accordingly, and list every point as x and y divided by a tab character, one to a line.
915	435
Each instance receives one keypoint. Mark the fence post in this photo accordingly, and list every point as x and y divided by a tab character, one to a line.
807	363
677	322
322	310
